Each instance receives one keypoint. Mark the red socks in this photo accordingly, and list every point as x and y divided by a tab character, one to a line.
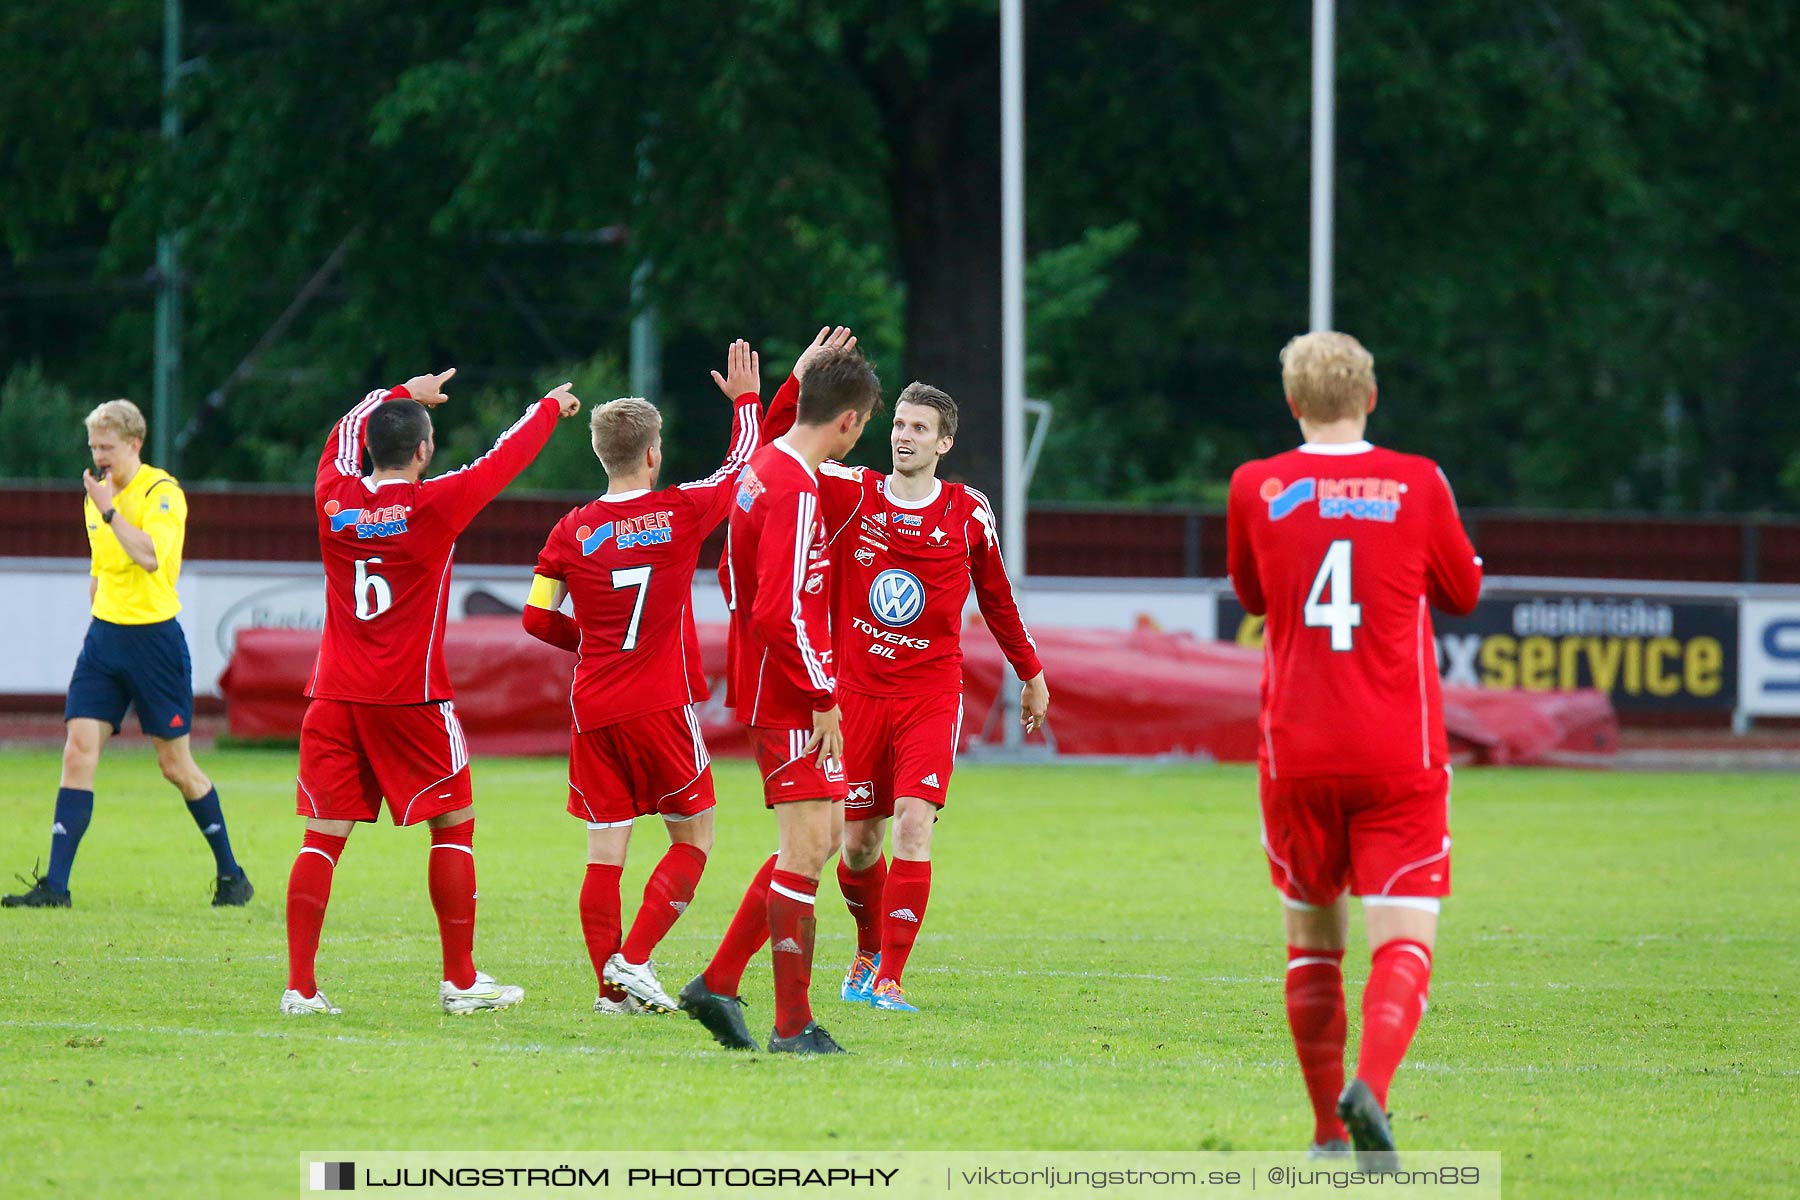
600	920
666	896
862	894
748	930
791	926
452	879
1315	1010
1393	1002
903	911
309	890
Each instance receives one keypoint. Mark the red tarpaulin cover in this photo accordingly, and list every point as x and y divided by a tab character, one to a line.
1142	692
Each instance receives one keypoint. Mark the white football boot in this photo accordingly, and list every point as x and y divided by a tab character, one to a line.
483	994
293	1004
640	981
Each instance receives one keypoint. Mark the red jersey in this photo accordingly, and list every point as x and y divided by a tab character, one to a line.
387	548
628	561
904	568
1345	548
778	588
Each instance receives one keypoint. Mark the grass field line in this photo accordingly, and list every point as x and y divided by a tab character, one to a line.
1350	979
703	1051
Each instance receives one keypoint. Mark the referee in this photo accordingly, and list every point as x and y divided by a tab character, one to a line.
134	655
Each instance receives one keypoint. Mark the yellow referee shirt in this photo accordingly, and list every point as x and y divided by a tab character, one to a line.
126	593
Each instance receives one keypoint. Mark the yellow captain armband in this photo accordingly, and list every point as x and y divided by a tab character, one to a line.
546	593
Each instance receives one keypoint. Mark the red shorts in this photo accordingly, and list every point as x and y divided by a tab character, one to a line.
653	764
351	755
1378	835
898	746
790	771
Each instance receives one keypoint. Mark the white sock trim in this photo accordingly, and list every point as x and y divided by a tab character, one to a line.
321	854
468	850
1430	904
1313	961
791	894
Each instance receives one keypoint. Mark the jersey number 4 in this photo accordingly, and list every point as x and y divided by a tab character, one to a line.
633	577
1340	614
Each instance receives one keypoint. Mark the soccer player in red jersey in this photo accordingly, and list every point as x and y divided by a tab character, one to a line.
784	689
627	563
908	547
381	721
1345	547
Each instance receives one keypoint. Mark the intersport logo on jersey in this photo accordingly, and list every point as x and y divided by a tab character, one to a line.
651	529
1358	499
368	522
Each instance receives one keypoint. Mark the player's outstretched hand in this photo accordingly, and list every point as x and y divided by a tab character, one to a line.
565	399
1034	703
429	389
828	738
826	339
743	371
99	490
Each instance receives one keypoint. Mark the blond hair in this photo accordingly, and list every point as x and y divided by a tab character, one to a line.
1328	376
118	416
622	431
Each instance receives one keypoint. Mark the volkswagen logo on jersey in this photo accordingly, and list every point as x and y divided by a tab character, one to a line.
897	598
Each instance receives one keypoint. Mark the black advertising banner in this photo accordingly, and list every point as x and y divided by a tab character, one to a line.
1648	653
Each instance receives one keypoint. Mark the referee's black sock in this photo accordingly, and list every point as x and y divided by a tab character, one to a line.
74	809
211	819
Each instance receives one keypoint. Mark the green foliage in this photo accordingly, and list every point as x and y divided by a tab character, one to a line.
41	430
1565	230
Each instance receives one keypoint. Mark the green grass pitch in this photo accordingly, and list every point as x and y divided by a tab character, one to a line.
1614	1006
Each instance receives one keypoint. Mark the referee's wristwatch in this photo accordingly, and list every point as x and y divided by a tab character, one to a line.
109	514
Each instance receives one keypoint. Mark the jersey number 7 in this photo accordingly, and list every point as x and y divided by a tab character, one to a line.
633	577
1340	614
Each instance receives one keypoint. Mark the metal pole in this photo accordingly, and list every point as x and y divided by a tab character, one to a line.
1012	308
646	336
1324	122
646	323
166	373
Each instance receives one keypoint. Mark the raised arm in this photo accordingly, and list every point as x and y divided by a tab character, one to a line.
742	385
343	452
344	445
785	407
465	492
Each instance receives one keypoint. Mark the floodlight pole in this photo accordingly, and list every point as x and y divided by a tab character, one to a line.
1012	312
166	373
1324	122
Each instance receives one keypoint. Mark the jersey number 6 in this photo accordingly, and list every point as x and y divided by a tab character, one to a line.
373	595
